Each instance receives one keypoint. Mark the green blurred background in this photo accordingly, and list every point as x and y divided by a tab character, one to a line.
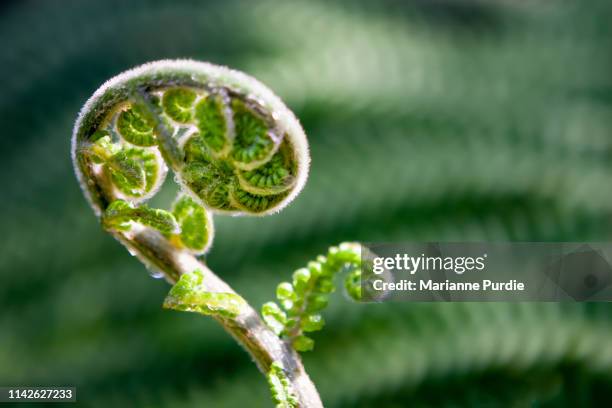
428	120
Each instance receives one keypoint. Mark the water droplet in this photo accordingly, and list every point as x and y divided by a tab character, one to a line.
156	274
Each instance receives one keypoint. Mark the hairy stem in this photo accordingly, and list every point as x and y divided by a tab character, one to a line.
241	152
264	346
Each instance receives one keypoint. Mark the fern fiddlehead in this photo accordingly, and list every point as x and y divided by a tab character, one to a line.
307	295
233	147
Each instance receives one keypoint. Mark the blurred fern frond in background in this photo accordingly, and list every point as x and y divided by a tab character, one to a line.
428	120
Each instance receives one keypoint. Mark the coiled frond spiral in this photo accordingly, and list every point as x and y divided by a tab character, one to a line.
233	147
304	298
231	143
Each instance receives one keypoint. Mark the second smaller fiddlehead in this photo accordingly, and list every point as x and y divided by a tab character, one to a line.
303	299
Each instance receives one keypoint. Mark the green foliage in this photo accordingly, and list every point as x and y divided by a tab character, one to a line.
282	392
274	177
352	283
253	203
303	300
253	142
120	214
102	147
212	122
178	104
136	126
238	150
196	227
134	171
127	173
189	294
237	166
210	179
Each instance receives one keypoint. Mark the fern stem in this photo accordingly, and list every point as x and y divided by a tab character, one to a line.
264	346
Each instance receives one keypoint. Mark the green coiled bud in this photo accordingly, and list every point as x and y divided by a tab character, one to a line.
126	172
232	144
212	120
136	125
237	159
177	104
195	224
304	298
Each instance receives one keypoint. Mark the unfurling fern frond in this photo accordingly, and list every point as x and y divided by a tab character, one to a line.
307	295
232	144
191	296
233	147
282	392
